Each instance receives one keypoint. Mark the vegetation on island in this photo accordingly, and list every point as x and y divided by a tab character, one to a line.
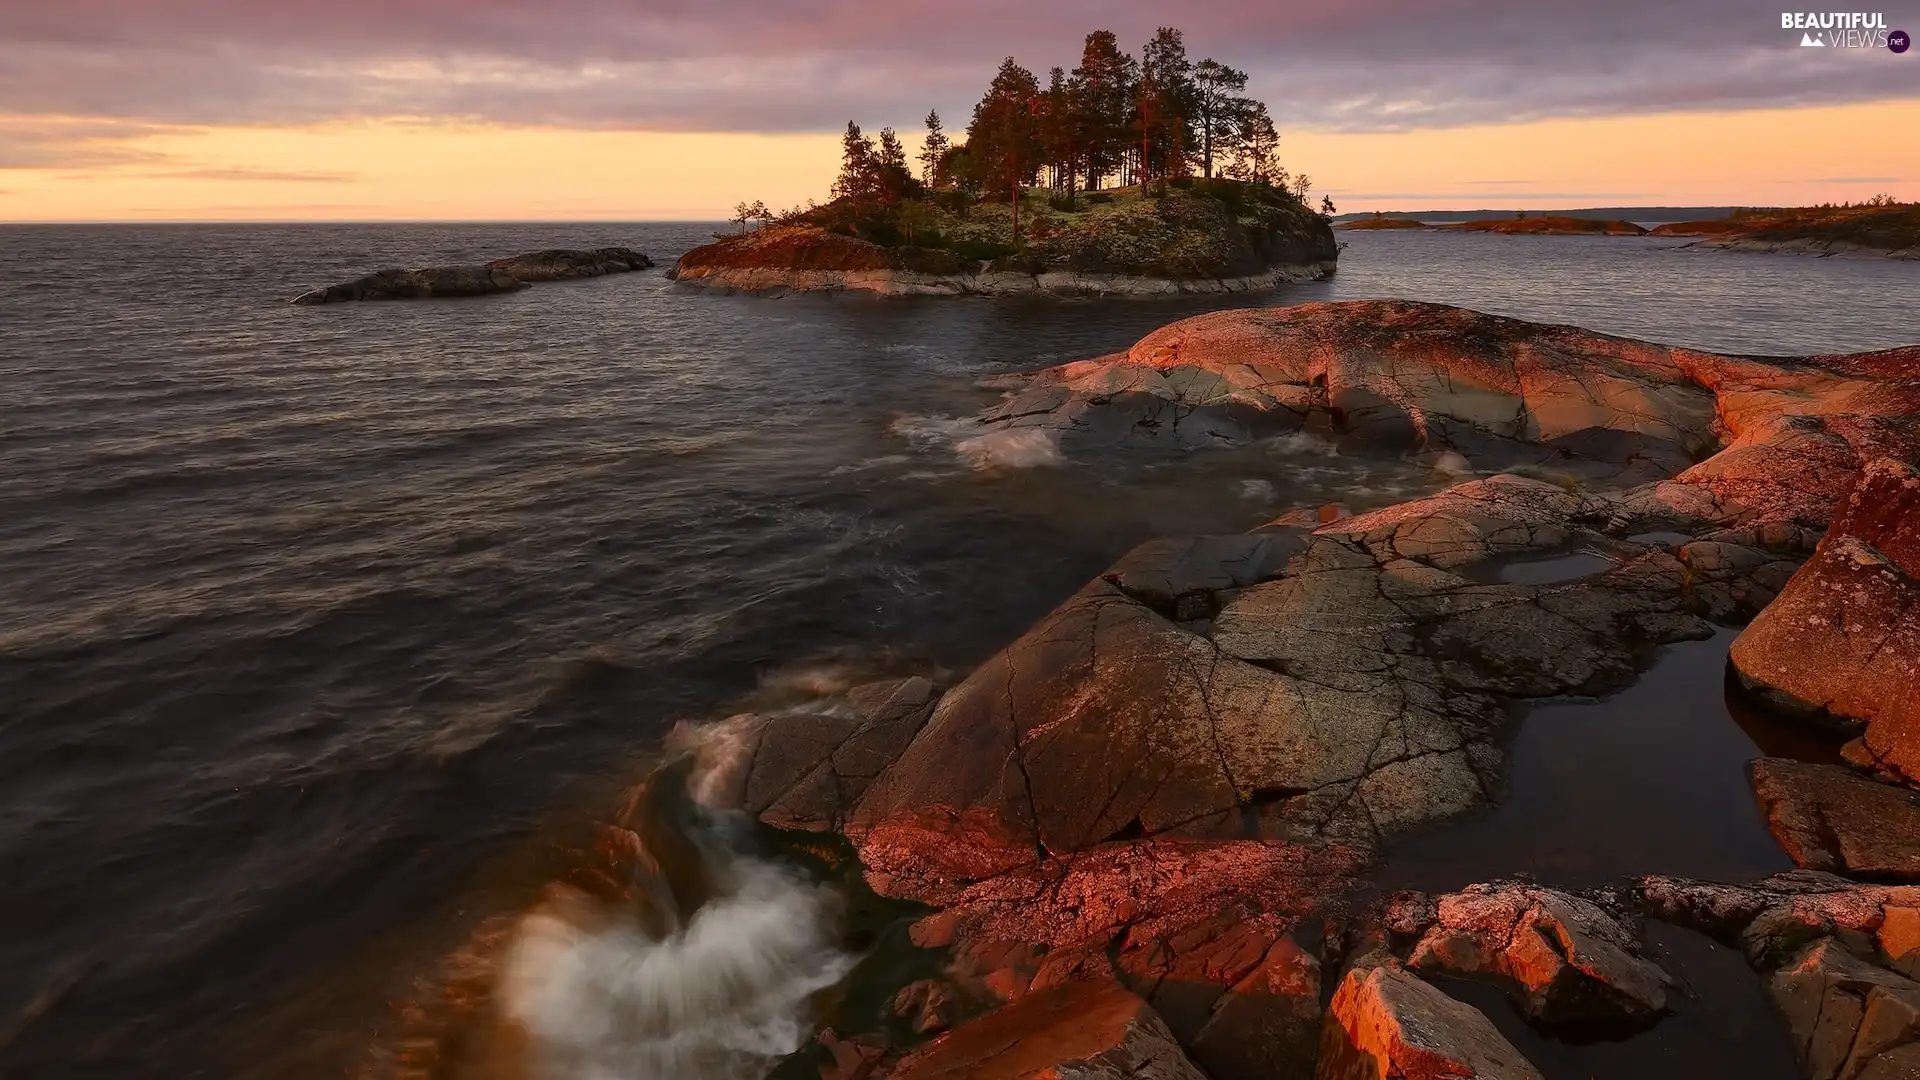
1154	165
1882	223
1520	223
1383	221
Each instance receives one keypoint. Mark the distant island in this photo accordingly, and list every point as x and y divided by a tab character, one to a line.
1125	176
1550	224
1383	222
1880	226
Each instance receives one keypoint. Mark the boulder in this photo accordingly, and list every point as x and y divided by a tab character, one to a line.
1830	818
1848	1018
1387	1024
1573	963
1088	1031
1856	606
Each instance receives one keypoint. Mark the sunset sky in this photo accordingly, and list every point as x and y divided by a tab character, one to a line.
656	109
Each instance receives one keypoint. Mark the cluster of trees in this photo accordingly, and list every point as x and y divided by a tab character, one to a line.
1134	120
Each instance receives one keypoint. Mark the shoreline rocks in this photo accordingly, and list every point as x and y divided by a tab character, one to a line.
499	276
983	281
1177	780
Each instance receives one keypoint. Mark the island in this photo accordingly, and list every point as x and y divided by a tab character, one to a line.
1382	221
1125	177
1549	225
1879	226
510	274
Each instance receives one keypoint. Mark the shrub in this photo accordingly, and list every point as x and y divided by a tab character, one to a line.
1098	198
980	250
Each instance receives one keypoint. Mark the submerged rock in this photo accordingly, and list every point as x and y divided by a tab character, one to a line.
501	275
1094	1030
1387	1024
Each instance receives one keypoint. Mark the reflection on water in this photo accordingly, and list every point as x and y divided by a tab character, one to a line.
1650	780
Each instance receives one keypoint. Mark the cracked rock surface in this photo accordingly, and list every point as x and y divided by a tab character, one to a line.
1831	818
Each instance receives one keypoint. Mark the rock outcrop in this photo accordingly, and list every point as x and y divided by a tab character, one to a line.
1855	606
1830	818
1716	440
1093	1030
1387	1024
501	275
1839	957
1574	964
1176	780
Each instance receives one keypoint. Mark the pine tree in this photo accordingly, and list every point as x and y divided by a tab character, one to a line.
1104	83
1061	124
933	152
1217	107
1165	101
1004	137
858	159
893	180
1256	151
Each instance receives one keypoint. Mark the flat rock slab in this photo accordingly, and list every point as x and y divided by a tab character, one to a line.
1094	1030
1830	818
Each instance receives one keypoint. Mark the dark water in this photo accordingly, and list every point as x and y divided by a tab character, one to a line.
323	626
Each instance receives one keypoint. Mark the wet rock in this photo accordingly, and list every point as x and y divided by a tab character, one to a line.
1387	1023
1090	1030
1829	818
849	1059
803	769
1573	963
501	275
1848	1018
928	1005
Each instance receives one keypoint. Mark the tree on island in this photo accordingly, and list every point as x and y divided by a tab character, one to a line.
933	152
1104	104
1151	120
1004	137
1217	108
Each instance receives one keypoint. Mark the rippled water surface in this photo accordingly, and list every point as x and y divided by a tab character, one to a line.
323	626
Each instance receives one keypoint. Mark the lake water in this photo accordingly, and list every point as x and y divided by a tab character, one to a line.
327	632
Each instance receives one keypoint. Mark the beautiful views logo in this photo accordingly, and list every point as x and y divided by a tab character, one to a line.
1844	30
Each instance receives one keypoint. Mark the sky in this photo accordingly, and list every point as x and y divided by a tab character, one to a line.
678	109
